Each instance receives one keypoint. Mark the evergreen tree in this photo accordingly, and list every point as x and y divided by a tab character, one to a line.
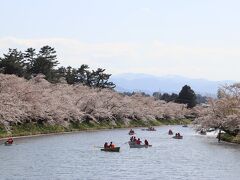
71	75
29	56
165	97
173	97
84	75
100	79
32	63
169	97
187	96
157	95
45	63
13	63
201	99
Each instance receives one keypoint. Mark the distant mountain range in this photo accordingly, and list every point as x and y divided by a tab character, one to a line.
171	84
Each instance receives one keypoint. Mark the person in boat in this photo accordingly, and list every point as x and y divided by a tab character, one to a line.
146	142
202	131
170	131
112	146
131	131
10	140
153	129
131	139
106	145
138	141
176	134
134	139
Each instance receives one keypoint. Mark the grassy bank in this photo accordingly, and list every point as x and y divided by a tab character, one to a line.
35	129
229	138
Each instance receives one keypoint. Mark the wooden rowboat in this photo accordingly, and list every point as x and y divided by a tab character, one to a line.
177	137
131	133
139	146
210	129
134	145
149	129
116	149
7	144
203	132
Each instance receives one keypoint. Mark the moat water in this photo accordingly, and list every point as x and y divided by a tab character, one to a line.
78	156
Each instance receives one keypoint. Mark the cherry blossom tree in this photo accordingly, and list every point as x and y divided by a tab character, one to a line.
39	101
223	112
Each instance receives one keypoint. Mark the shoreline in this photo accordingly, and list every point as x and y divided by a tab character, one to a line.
57	133
230	139
75	131
31	133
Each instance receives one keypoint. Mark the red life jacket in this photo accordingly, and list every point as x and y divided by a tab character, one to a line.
138	142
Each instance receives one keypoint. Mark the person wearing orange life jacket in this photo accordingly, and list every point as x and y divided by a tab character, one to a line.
111	145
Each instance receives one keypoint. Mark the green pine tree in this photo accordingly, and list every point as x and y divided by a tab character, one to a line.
187	96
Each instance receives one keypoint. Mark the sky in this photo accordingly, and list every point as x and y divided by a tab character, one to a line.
195	39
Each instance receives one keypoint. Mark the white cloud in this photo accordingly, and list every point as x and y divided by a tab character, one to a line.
160	49
155	58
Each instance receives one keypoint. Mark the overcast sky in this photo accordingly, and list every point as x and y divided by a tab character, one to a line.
196	39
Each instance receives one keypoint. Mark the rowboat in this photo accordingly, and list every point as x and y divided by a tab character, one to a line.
139	146
7	144
134	145
203	132
185	125
149	129
210	129
131	133
177	137
116	149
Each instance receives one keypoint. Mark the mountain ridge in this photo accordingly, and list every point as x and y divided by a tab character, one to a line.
129	82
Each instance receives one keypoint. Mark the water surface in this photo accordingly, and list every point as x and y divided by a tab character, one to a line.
76	156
